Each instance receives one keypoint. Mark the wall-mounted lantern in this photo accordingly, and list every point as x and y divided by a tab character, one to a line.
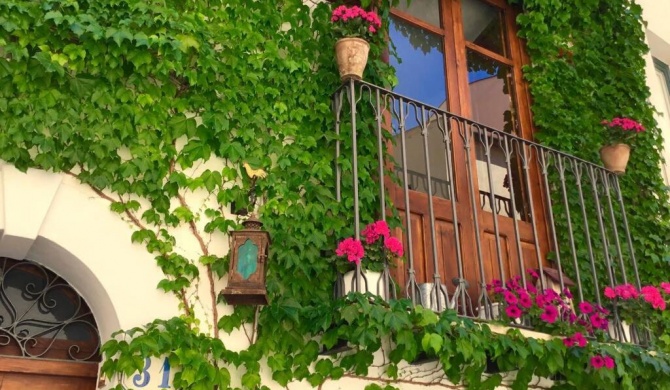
246	272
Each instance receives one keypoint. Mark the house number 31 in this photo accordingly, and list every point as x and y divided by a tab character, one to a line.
144	377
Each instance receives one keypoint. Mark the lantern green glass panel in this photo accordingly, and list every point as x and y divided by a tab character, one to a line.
248	259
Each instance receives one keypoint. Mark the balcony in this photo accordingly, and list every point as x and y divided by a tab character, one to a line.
477	204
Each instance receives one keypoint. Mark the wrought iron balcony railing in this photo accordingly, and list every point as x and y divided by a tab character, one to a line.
500	207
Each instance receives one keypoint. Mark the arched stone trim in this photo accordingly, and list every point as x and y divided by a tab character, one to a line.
55	221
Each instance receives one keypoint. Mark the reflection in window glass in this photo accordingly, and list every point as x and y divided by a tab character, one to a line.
420	71
483	25
493	106
426	10
417	175
490	92
421	77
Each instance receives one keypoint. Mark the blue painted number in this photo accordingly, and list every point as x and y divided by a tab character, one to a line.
165	384
143	378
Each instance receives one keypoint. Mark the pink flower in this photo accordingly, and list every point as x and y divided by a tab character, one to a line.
352	249
626	291
597	362
572	318
585	307
609	362
531	289
351	15
533	273
567	293
653	297
513	284
525	300
666	287
625	124
394	246
513	311
579	339
510	298
376	230
569	342
598	321
609	293
339	10
576	339
550	314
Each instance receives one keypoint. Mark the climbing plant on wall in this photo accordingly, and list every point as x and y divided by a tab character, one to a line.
155	107
587	65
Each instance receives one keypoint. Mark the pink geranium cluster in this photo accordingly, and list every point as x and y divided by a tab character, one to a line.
375	231
600	361
632	304
649	294
378	243
352	249
576	339
547	309
622	128
355	21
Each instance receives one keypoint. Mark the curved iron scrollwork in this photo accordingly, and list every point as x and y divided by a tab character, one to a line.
42	316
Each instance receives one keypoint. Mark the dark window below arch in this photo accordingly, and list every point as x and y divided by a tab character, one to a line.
42	316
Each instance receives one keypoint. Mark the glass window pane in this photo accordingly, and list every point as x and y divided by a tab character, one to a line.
493	106
421	77
426	10
420	71
490	92
483	25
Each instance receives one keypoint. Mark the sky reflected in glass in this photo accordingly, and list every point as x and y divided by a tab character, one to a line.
420	71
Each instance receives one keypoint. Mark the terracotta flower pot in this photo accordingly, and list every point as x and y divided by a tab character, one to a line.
615	157
352	56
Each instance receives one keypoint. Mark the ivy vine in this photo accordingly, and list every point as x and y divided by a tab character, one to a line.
156	106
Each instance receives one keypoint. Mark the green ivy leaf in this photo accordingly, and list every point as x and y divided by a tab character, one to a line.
432	341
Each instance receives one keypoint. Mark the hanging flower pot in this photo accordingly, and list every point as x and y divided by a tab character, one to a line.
620	133
353	25
352	56
615	157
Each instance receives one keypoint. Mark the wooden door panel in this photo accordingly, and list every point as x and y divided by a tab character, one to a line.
446	252
530	255
490	256
45	382
510	259
36	374
418	249
422	246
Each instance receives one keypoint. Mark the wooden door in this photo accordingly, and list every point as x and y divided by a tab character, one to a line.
510	209
33	374
462	56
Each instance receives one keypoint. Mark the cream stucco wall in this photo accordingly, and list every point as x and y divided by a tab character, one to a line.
656	14
61	224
